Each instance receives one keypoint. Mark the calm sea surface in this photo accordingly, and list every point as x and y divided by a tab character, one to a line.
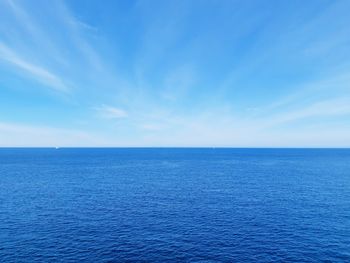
175	205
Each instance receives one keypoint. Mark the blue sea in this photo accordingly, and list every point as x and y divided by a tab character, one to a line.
174	205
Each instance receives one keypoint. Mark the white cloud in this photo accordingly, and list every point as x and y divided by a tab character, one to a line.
109	112
38	73
326	108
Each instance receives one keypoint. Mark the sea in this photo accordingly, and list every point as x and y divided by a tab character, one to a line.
174	205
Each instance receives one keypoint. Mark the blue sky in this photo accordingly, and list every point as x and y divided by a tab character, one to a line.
175	73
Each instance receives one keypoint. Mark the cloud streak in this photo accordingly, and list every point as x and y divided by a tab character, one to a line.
36	72
109	112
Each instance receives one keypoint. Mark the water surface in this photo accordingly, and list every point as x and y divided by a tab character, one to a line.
187	205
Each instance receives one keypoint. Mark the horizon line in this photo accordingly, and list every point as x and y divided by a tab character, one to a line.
169	147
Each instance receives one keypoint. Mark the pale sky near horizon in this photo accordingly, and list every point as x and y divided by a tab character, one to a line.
175	73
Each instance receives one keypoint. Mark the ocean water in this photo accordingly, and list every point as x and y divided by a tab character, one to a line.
174	205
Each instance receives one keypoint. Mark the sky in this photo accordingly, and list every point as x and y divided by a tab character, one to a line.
179	73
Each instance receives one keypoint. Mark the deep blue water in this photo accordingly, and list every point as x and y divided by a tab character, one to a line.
185	205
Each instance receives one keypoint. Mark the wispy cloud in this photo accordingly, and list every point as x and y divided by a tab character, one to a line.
68	55
109	112
178	82
34	71
326	108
